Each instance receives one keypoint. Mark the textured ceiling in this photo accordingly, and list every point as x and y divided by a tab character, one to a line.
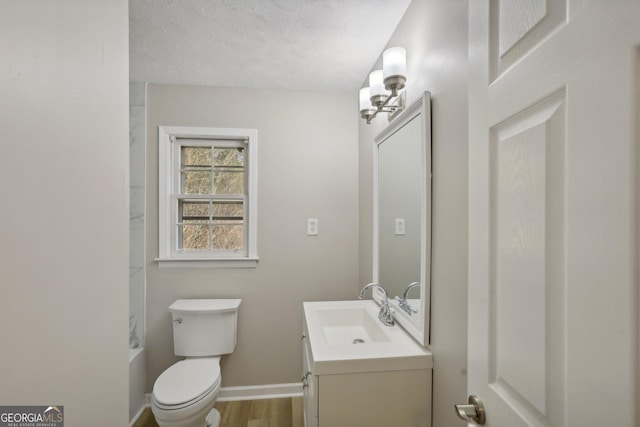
294	44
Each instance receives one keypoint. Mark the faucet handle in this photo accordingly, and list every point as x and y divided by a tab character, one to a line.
386	314
401	301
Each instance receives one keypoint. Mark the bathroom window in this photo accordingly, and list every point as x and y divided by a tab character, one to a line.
207	197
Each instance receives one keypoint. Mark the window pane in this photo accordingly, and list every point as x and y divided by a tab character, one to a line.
194	209
196	157
196	170
229	170
195	235
233	156
228	181
228	236
196	182
228	225
228	211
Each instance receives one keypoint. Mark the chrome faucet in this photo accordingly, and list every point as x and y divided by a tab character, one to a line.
386	313
403	303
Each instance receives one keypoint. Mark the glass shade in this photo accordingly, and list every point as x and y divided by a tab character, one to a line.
365	99
376	82
394	62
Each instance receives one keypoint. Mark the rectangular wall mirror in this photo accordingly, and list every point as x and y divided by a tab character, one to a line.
402	216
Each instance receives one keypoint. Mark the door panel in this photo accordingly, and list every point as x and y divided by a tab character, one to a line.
527	243
517	26
552	284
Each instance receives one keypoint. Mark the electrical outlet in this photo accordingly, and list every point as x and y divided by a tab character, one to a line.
312	227
400	227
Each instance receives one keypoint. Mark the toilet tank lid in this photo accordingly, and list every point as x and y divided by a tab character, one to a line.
204	305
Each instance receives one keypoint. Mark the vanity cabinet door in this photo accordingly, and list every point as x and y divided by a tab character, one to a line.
376	399
309	386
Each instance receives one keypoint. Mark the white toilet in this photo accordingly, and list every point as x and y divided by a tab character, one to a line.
203	330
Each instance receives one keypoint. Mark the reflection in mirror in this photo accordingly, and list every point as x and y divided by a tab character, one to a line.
399	212
410	306
402	216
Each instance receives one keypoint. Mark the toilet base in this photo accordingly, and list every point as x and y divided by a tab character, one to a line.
213	418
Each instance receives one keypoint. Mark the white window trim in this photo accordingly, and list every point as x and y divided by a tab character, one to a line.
169	258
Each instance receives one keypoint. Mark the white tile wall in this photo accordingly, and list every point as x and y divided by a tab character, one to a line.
136	211
137	145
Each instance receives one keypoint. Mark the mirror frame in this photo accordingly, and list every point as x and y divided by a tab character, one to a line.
419	110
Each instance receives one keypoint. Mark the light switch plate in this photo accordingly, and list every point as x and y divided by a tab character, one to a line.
400	227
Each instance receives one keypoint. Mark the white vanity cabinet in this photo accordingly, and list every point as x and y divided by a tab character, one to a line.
364	384
309	385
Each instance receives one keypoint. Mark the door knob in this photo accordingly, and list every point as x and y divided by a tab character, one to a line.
473	412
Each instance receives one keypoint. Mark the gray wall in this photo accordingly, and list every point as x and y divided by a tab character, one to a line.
434	33
64	177
307	148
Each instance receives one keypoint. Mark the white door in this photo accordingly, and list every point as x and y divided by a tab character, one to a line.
553	213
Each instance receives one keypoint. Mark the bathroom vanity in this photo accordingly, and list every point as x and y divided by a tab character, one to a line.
359	372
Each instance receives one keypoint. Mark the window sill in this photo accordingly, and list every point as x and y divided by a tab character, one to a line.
207	262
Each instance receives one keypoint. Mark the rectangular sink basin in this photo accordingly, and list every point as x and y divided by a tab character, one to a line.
348	337
350	326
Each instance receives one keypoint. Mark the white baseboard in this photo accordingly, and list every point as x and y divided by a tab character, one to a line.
135	418
252	392
255	392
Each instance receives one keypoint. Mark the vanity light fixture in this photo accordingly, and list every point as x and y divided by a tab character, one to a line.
376	98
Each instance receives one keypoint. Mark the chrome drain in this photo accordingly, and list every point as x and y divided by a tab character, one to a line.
358	341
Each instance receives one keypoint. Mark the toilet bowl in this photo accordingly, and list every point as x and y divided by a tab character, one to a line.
184	394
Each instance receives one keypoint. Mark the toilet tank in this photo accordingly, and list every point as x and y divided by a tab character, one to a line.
204	327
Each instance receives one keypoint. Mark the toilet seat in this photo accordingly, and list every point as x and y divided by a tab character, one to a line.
186	382
192	403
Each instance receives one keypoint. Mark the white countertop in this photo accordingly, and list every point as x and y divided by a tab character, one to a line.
386	348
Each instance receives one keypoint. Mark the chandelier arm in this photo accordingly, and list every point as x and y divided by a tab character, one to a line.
381	107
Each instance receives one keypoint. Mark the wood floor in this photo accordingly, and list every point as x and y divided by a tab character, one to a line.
285	412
